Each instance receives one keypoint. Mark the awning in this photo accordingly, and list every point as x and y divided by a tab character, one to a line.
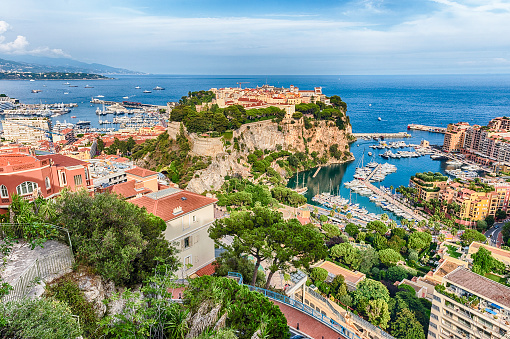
490	311
496	306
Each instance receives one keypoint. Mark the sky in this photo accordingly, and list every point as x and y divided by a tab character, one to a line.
265	37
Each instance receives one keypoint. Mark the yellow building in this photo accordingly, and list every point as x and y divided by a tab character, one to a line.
428	185
454	137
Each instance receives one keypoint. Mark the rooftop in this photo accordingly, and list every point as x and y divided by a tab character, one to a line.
448	265
141	172
60	160
128	189
480	286
7	159
350	276
164	203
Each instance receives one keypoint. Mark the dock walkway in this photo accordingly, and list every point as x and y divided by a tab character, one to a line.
392	201
397	135
432	129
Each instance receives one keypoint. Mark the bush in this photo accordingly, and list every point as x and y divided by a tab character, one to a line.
38	318
318	274
67	291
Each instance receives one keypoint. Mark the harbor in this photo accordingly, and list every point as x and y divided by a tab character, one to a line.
398	135
432	129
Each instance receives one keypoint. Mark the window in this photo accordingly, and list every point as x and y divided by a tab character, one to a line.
435	307
86	174
63	178
3	192
78	180
433	316
194	218
433	325
47	183
26	187
432	334
187	242
437	298
187	262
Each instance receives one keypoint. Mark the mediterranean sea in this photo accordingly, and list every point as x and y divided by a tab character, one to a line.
434	100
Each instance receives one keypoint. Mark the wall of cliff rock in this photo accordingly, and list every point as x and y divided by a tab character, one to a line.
290	134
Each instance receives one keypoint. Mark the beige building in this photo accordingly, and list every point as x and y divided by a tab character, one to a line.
28	130
147	178
188	217
469	306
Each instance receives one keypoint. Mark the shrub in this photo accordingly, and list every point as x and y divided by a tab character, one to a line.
318	274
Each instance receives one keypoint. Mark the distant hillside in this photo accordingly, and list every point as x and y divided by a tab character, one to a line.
42	64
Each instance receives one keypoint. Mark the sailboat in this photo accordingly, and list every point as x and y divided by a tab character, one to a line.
303	189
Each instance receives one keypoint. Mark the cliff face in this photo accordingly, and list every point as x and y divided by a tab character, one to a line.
264	135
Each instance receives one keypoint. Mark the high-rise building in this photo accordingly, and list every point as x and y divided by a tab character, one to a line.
468	305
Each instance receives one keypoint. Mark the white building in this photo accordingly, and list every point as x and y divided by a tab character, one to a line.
25	130
188	217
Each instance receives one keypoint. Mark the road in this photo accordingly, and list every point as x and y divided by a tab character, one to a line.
492	234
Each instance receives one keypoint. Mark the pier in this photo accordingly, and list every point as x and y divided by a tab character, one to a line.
317	172
382	135
127	104
392	201
432	129
373	172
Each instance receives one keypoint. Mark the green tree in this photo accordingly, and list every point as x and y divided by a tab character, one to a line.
305	246
369	258
481	225
331	230
484	262
389	257
500	214
367	290
419	240
251	232
318	274
490	220
471	235
231	262
380	242
396	273
377	226
119	248
406	326
378	313
351	229
346	254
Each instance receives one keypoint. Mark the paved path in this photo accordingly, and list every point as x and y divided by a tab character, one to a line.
307	324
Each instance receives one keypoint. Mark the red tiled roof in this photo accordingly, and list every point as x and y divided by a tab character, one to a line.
127	189
16	159
164	206
60	160
206	270
141	172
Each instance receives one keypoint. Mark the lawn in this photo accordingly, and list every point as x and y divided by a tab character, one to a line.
452	252
496	278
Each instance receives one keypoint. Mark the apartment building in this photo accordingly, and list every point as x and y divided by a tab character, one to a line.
467	305
455	136
29	175
428	190
188	217
29	130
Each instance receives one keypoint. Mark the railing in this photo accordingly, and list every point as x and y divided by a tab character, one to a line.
237	276
357	319
40	269
306	309
21	231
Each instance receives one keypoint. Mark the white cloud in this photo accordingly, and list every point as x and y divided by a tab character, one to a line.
20	45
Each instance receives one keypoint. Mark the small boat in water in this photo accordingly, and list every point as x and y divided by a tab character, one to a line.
36	91
379	118
73	117
88	86
67	83
125	97
157	88
146	91
100	96
137	87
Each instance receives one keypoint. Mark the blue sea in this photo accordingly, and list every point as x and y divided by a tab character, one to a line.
398	100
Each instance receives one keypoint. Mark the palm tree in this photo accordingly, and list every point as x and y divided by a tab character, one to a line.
391	189
384	217
349	215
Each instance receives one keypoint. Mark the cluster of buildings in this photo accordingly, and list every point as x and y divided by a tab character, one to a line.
266	96
187	215
476	199
487	145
